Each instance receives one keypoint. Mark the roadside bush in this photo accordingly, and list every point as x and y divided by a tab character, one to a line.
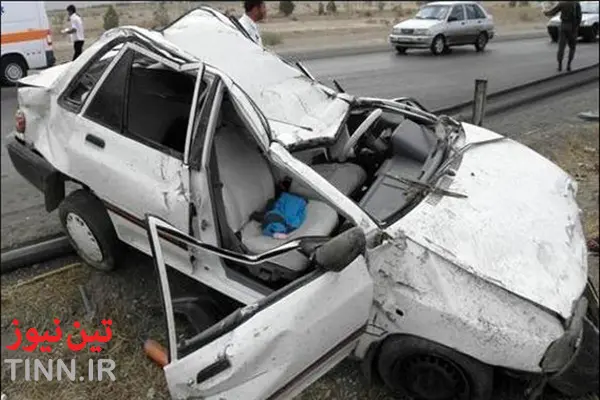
381	6
368	14
331	7
524	16
286	7
271	38
161	15
512	4
111	18
321	9
398	10
524	4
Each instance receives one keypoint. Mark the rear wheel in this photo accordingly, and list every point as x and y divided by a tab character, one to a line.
14	68
481	41
554	37
89	229
401	50
425	370
438	45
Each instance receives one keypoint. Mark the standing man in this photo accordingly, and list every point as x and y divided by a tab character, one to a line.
570	19
76	31
254	11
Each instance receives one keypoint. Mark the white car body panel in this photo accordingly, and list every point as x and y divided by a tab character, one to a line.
493	275
280	349
522	232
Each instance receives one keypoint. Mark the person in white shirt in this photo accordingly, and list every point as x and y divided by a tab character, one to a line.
76	31
255	11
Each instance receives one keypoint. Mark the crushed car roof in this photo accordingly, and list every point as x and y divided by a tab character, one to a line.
298	109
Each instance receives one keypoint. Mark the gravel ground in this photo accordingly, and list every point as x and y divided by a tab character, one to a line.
132	290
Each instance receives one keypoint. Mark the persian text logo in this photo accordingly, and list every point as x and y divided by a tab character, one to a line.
43	341
59	369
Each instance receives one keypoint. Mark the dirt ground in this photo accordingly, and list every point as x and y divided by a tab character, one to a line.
366	21
130	297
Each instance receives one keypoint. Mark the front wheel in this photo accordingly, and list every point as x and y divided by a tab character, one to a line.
592	34
438	45
428	371
481	41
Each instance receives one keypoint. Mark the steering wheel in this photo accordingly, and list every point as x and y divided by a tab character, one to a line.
348	149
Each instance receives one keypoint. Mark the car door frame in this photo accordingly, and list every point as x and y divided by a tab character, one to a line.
456	30
475	25
229	345
130	227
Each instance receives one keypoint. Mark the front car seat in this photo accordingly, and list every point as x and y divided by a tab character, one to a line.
247	186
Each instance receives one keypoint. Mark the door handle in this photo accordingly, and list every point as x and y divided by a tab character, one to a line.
215	368
95	140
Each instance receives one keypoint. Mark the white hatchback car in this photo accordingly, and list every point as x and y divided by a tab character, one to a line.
423	253
444	24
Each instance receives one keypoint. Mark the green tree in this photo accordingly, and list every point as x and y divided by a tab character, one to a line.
331	7
161	15
286	7
111	18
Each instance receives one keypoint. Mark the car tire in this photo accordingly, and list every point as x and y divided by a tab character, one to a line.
89	229
401	50
592	34
438	45
14	68
554	37
426	370
481	41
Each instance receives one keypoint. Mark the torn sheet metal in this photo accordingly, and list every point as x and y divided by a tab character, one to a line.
519	228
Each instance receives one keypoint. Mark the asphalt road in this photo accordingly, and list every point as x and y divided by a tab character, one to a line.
439	81
435	81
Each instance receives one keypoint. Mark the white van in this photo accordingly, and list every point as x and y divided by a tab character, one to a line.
26	39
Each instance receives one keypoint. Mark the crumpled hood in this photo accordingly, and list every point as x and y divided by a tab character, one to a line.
519	228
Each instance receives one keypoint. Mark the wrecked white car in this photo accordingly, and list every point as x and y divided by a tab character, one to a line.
432	250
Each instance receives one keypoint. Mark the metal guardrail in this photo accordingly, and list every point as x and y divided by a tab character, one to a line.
47	249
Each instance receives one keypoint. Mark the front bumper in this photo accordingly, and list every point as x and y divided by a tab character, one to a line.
410	41
37	171
579	375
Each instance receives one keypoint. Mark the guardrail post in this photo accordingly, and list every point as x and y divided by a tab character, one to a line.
479	101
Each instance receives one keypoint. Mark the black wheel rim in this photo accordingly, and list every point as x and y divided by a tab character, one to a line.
432	377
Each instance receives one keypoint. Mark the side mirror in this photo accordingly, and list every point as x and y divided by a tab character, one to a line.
339	252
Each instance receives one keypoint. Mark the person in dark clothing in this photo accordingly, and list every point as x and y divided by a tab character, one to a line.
570	19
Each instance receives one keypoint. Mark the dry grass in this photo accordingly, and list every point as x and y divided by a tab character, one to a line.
304	27
578	155
37	303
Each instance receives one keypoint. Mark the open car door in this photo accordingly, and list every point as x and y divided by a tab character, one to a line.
278	346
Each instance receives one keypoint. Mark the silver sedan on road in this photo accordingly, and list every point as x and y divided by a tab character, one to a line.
440	25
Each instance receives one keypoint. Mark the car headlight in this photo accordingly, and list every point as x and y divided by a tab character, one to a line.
396	31
421	32
586	22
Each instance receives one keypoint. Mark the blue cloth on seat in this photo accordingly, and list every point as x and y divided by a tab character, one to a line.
287	214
